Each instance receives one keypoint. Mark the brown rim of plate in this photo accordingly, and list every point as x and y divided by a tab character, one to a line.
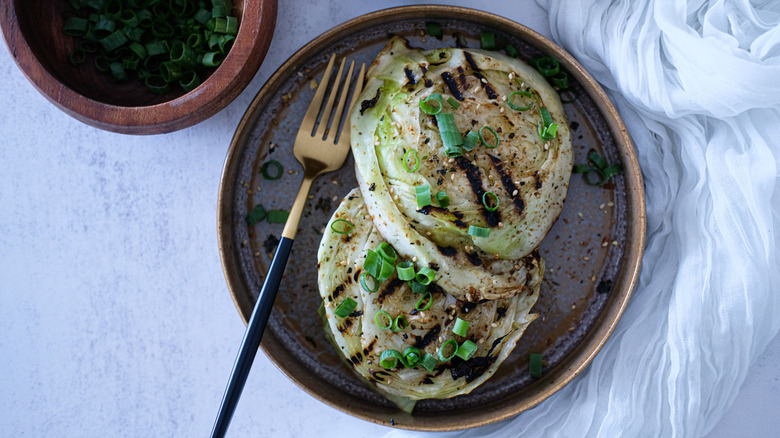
242	62
552	381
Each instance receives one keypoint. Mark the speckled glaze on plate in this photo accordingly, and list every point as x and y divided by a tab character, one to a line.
592	254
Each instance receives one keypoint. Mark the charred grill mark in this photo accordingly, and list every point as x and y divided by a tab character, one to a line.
537	180
460	224
495	343
434	288
452	86
474	258
491	93
509	185
356	277
366	104
427	381
336	292
346	325
500	313
462	78
369	348
428	83
379	376
466	306
422	342
470	59
475	181
410	76
470	369
447	250
357	358
389	290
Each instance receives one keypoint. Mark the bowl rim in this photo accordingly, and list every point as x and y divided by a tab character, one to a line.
575	362
243	61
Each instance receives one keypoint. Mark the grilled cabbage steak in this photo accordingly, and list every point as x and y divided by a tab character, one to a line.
495	326
526	174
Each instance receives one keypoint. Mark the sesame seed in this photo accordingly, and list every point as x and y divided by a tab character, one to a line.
501	110
611	204
514	193
414	259
484	81
500	225
511	75
244	242
335	198
428	233
601	207
495	282
593	279
504	97
396	197
494	325
571	329
586	258
573	307
614	242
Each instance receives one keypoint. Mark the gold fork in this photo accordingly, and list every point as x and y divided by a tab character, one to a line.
321	152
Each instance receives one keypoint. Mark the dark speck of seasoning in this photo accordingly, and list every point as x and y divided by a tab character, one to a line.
392	422
269	245
372	188
511	135
574	126
311	341
604	287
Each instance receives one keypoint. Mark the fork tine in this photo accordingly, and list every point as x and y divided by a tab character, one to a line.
322	129
314	107
342	100
358	85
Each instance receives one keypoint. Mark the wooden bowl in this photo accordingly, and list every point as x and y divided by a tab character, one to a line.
33	31
593	252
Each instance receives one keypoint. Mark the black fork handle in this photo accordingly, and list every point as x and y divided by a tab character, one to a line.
252	337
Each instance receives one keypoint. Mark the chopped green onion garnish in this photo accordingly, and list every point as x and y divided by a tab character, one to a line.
448	130
424	302
364	283
547	66
512	51
429	362
488	41
597	159
495	136
277	216
433	28
432	104
373	263
597	165
466	349
535	365
342	226
399	323
345	308
442	199
461	327
386	270
479	231
470	141
417	287
425	275
256	215
389	359
453	103
411	357
387	252
413	154
519	93
560	80
447	350
405	270
547	128
380	317
490	201
423	194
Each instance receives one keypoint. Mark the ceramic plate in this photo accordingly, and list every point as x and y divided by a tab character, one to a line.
592	253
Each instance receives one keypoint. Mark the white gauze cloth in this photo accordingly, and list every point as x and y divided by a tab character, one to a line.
698	85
